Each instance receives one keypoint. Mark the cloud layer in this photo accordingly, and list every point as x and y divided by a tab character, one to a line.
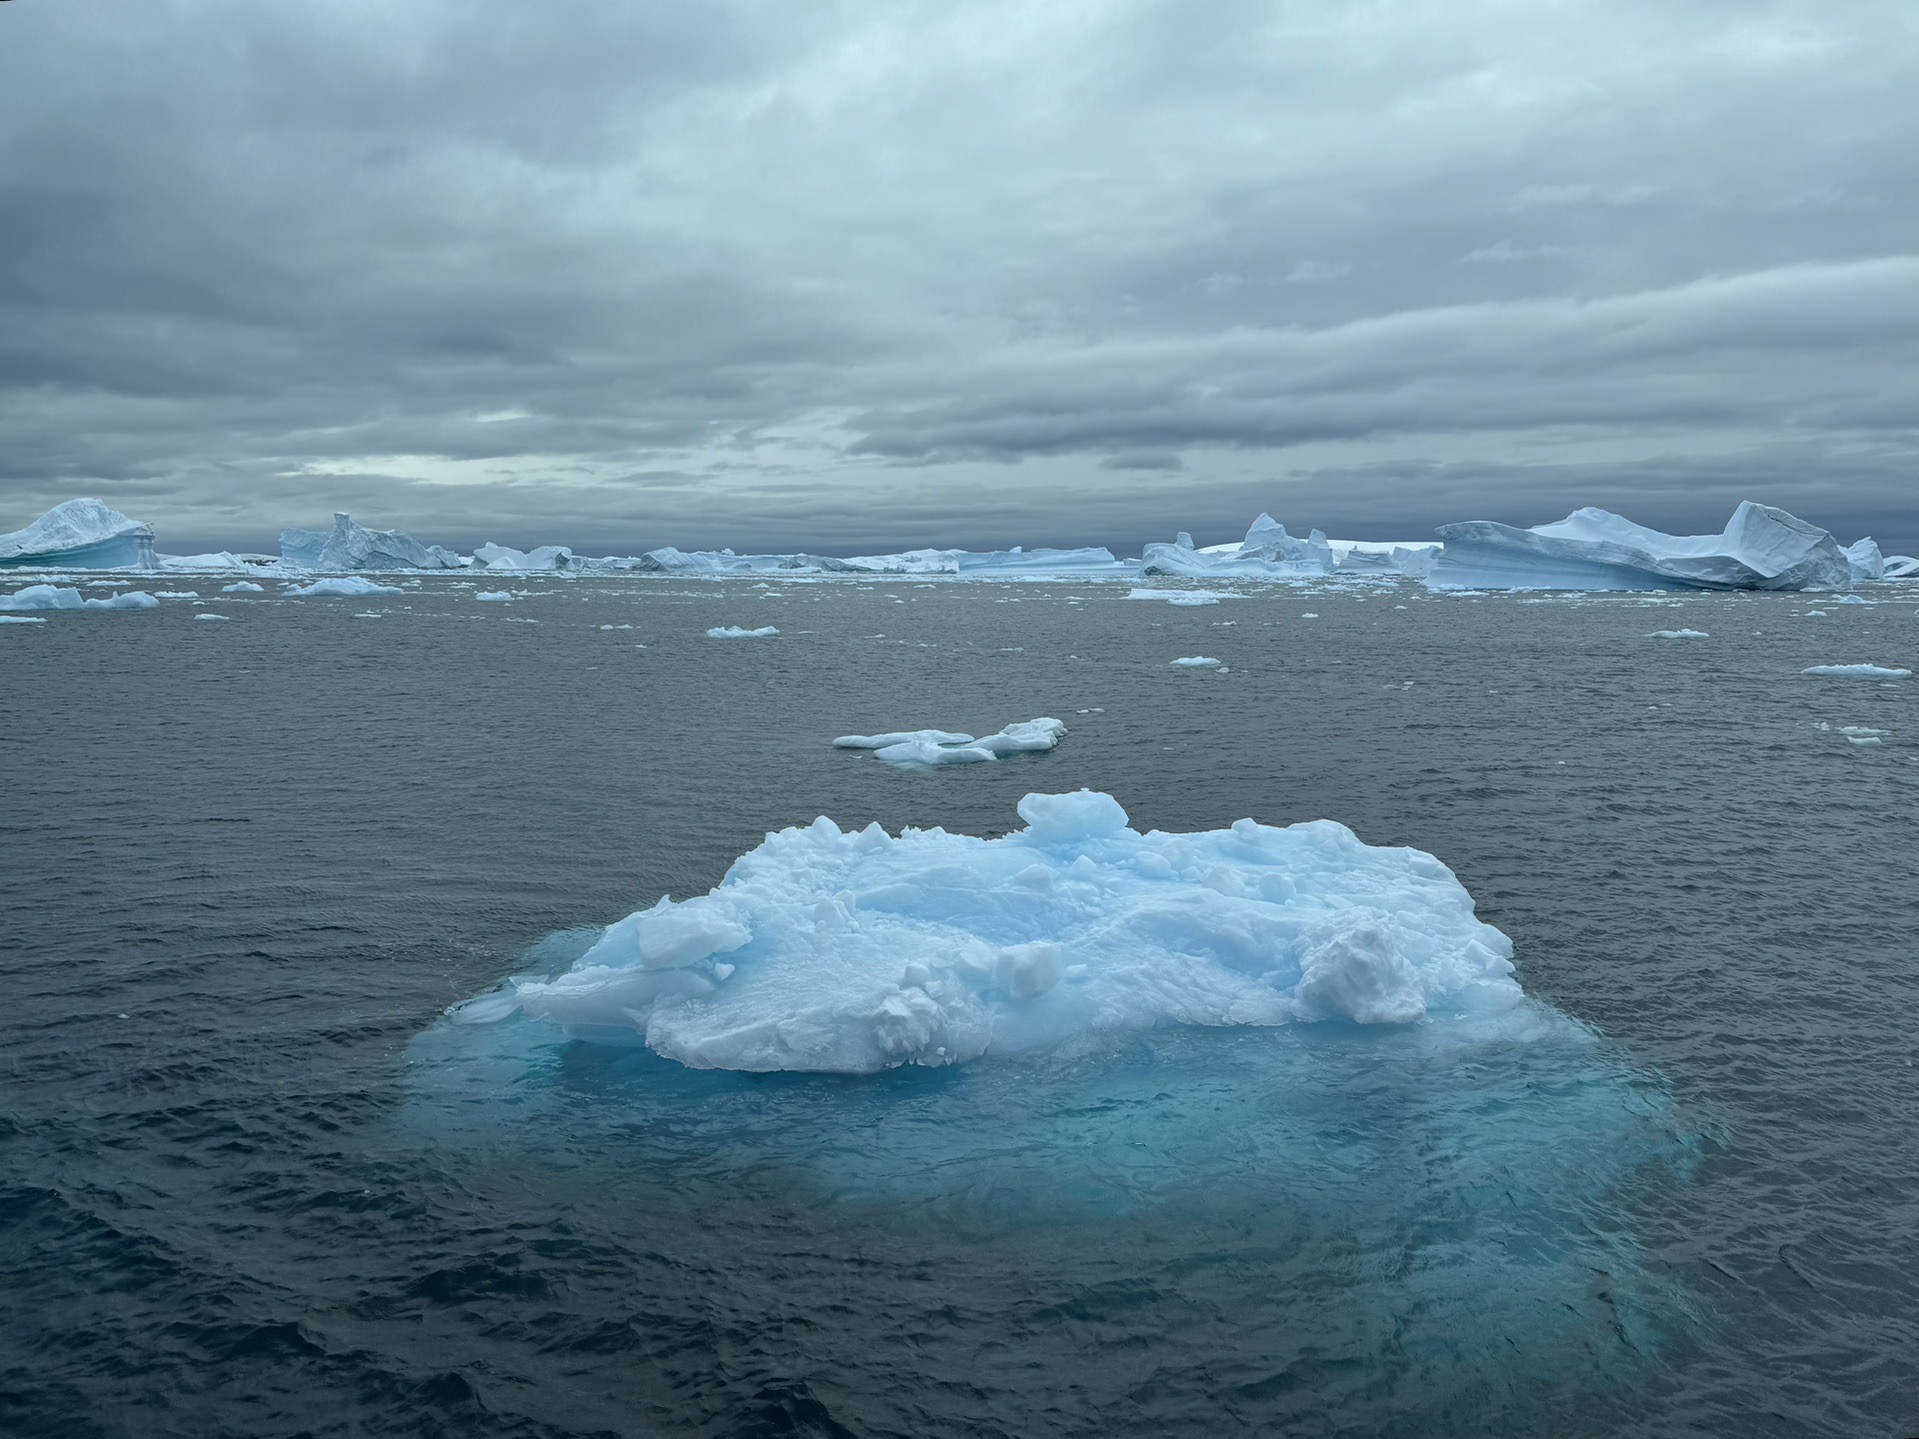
857	276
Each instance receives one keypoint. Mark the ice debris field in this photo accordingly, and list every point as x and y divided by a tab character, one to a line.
824	950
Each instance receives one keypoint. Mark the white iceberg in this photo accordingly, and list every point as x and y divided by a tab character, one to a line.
915	749
1196	662
546	558
354	547
852	953
243	587
1857	672
1864	560
497	596
56	597
347	586
1267	552
1900	567
82	534
734	632
1761	548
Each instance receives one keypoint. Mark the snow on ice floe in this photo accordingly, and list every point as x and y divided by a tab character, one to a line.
83	534
734	632
346	586
1761	548
1857	672
56	597
915	749
243	587
493	595
824	950
1196	662
1678	635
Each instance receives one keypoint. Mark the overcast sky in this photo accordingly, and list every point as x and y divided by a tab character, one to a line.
853	277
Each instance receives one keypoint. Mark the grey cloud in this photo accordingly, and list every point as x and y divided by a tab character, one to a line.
599	274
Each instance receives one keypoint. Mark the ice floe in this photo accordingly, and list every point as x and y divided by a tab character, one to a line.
824	950
914	749
346	586
57	597
1678	635
21	620
243	587
1761	548
1857	672
734	632
1196	662
495	596
83	534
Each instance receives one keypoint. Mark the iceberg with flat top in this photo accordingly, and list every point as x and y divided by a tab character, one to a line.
82	534
349	546
1761	548
829	951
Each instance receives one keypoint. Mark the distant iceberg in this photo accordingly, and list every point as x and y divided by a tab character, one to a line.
58	597
1267	552
80	534
348	547
830	951
1864	560
977	564
1761	548
546	558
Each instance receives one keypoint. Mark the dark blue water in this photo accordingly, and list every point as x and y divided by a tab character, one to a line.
251	1184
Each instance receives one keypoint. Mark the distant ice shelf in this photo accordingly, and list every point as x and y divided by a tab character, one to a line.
824	950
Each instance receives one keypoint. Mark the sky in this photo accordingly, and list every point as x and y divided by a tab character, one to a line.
794	274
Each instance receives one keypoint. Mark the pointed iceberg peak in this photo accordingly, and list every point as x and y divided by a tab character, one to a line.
354	547
84	534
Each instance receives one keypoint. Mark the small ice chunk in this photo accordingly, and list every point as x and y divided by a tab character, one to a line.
21	620
1196	662
1871	739
1857	672
494	595
914	749
212	617
243	587
1678	635
734	632
911	736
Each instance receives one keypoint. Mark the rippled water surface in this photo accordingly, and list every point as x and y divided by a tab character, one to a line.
251	1183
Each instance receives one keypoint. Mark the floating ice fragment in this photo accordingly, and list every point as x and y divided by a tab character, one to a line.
21	620
212	617
243	587
1678	635
912	751
349	586
57	597
493	595
734	632
855	952
881	741
1857	672
1196	662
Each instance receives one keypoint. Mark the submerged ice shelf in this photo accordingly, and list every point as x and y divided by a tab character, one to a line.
824	950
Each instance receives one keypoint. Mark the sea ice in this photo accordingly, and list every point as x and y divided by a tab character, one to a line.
1678	635
1761	548
1267	552
546	557
349	586
21	620
1857	672
734	632
82	534
493	595
919	748
1182	597
55	597
212	617
823	950
354	547
243	587
1196	662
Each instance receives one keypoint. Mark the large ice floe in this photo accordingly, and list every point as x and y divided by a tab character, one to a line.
824	950
926	748
58	597
1761	548
349	546
82	534
343	587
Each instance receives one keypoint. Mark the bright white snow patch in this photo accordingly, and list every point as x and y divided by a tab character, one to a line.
57	597
734	632
1196	662
1857	672
859	952
912	749
243	587
1678	635
493	595
349	586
